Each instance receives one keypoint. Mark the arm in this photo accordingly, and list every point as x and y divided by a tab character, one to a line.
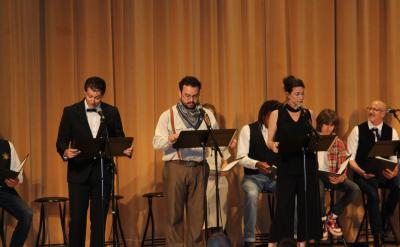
118	130
387	173
243	149
272	127
64	137
15	162
163	139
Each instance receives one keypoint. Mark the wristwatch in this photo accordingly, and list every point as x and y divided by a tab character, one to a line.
65	158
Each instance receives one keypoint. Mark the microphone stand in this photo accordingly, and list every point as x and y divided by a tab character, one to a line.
217	151
102	156
313	138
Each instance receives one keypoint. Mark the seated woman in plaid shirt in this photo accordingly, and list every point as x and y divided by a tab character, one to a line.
330	161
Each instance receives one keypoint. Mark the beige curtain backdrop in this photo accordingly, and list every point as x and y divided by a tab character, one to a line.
347	52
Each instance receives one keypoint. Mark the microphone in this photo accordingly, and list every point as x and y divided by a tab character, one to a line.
205	116
389	110
302	107
201	109
100	112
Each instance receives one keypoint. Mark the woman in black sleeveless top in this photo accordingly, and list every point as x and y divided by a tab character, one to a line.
292	122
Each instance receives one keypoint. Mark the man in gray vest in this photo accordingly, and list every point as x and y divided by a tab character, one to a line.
9	198
360	142
257	159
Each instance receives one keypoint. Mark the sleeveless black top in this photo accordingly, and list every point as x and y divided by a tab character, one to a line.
288	129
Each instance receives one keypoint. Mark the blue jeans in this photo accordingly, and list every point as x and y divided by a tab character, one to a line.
14	205
350	189
252	186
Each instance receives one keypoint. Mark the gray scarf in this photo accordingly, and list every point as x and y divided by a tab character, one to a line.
192	118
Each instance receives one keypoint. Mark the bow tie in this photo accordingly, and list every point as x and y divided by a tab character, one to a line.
91	109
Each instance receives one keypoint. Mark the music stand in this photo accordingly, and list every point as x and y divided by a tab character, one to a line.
110	147
117	145
218	138
115	148
89	148
325	142
382	149
201	138
191	139
293	145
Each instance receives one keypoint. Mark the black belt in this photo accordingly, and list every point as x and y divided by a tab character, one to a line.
188	163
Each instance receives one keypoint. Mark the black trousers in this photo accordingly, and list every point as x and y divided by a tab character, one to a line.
80	194
370	188
287	188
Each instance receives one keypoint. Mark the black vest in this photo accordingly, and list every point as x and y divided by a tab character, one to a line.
366	140
5	157
258	149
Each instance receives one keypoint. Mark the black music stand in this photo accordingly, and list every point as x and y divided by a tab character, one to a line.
325	142
218	138
115	148
203	139
105	147
382	149
89	148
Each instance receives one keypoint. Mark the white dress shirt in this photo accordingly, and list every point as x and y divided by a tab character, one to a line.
244	146
94	120
352	140
164	129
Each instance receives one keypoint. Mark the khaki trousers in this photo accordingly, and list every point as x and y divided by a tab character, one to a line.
184	190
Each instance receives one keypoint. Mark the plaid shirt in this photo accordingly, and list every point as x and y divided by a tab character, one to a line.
336	155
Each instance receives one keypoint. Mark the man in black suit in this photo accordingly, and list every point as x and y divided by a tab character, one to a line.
88	119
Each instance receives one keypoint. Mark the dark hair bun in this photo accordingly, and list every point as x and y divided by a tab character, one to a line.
290	82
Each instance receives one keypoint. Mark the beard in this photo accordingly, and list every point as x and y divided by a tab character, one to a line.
187	106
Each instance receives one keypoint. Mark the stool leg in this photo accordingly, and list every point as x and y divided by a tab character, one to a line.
120	225
41	226
147	222
152	224
364	221
61	210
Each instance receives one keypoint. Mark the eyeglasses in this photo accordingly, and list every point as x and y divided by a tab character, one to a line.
188	96
369	108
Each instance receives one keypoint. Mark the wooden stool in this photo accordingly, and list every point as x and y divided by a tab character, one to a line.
41	237
150	218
